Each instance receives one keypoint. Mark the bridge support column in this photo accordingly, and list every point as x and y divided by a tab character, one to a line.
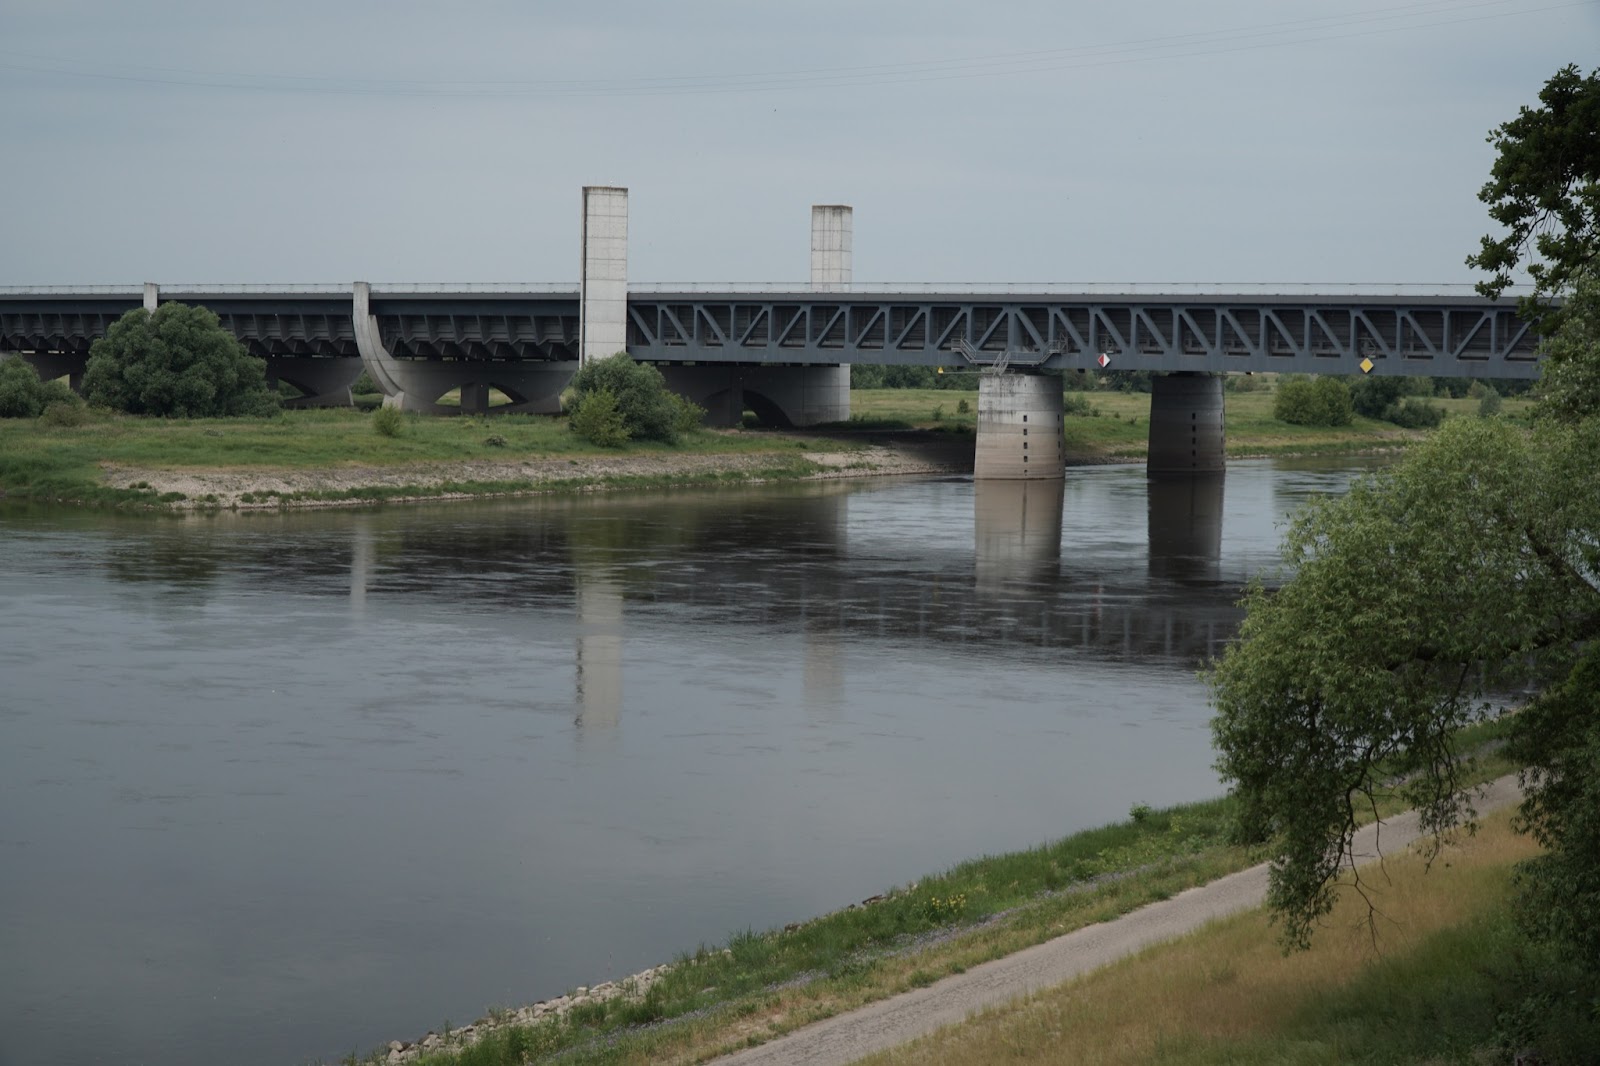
603	283
779	395
1019	427
324	381
52	365
1186	434
152	296
417	384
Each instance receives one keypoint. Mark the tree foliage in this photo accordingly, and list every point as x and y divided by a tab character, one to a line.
1319	401
1545	190
1470	567
179	362
640	397
23	395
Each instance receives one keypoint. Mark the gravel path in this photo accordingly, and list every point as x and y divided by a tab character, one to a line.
849	1037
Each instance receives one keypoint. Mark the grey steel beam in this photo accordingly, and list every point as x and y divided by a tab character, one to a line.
1438	336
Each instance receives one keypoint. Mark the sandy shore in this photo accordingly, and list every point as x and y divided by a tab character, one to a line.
263	487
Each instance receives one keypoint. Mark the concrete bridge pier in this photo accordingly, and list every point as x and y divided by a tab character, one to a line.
779	395
323	382
52	365
417	384
1019	427
1186	434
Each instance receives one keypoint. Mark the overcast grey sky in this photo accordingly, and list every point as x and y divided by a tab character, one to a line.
1033	141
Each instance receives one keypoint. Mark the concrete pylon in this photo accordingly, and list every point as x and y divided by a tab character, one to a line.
1019	427
1186	425
832	257
603	282
152	296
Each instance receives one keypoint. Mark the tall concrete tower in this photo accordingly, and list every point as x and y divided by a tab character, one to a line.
603	285
830	247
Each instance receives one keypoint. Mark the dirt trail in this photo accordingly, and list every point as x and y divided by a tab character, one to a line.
849	1037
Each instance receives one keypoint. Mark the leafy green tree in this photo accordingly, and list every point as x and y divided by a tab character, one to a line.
648	410
178	362
1545	190
23	395
1320	401
1469	569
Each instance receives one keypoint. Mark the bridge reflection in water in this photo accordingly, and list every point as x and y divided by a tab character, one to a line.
782	563
835	567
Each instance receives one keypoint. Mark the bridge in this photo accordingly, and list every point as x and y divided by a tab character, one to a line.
784	351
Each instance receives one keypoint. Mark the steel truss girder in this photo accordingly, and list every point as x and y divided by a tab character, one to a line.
1439	336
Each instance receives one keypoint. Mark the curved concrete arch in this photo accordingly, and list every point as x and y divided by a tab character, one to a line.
416	385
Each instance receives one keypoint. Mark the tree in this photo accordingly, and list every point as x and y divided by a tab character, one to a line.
639	395
1545	189
1471	567
1467	568
179	362
1320	401
23	395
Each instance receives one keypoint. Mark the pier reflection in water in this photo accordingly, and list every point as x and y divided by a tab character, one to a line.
304	782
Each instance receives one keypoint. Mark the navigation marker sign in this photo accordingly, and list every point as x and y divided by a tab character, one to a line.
1366	365
1104	360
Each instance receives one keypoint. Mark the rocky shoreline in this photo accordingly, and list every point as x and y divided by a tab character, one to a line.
399	1052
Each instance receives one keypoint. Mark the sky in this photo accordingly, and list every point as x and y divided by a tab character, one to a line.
1027	141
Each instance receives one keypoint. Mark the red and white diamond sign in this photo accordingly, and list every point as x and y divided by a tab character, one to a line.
1104	360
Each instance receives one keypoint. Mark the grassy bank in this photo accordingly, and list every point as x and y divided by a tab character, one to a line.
1443	983
468	456
761	984
68	462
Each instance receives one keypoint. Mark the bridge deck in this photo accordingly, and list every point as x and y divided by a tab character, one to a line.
1437	333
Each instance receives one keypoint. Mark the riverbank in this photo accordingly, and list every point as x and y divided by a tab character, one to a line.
334	457
760	986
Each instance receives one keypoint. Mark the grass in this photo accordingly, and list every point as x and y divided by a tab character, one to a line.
1431	988
64	463
760	984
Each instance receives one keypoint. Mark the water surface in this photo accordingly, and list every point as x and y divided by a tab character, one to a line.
279	787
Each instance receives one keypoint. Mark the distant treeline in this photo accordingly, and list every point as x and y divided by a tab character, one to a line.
866	376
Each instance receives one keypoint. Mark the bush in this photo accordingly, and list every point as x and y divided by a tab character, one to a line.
1373	397
23	395
648	411
597	419
1414	413
1242	383
65	413
1321	401
1489	404
688	415
388	422
178	362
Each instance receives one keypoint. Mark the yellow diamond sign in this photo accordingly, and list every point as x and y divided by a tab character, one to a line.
1366	365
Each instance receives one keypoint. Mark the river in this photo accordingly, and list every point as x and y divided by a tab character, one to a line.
276	787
